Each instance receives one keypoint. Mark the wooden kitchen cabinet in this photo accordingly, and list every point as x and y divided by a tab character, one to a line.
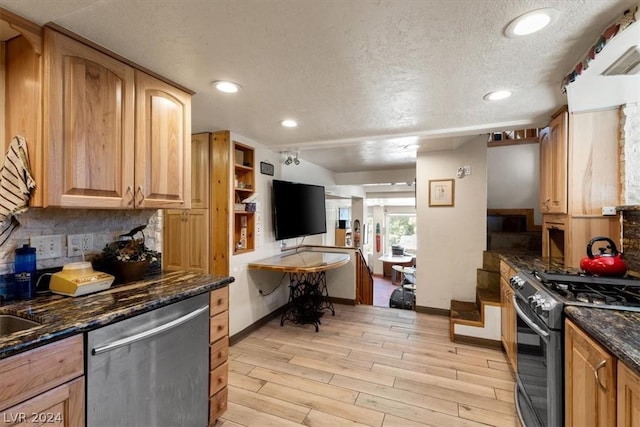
590	177
21	91
163	145
590	380
185	241
44	386
507	315
114	136
218	353
186	232
553	164
628	397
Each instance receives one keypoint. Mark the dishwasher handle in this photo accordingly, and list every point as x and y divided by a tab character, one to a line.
151	332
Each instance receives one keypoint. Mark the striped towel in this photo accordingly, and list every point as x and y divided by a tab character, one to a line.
16	181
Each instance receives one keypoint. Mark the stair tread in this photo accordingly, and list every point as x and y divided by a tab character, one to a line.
489	296
464	310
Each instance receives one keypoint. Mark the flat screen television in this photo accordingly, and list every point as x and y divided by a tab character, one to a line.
298	209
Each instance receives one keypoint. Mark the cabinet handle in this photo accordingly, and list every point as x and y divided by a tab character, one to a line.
598	366
132	196
141	192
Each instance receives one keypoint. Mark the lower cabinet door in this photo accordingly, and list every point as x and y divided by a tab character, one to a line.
62	406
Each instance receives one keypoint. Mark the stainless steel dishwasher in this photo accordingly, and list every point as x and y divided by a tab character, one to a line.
151	369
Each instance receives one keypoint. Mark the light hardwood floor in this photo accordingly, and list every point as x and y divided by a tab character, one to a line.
369	366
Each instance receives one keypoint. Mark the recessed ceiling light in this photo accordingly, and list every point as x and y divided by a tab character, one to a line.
497	95
226	86
288	123
531	22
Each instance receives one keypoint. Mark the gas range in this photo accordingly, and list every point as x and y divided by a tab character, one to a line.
547	293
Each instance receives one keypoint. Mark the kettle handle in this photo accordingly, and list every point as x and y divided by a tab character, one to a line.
614	249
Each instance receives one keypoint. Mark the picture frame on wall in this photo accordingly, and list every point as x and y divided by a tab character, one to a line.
441	192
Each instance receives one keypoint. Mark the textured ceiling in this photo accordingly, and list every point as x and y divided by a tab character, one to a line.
364	78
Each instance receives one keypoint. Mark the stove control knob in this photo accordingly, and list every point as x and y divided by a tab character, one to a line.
540	305
546	307
517	282
534	300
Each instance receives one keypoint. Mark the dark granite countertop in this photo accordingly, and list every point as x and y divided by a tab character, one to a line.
62	316
528	263
616	330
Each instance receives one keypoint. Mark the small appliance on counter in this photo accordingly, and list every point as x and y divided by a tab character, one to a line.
79	278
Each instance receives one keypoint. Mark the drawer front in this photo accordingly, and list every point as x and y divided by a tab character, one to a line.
217	405
33	372
218	352
219	327
219	301
218	378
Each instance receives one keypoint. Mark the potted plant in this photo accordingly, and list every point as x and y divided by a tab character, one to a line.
128	258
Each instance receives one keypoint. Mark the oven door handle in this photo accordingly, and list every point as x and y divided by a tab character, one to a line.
538	330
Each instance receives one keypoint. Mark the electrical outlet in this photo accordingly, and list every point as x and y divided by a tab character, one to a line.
467	170
79	244
47	247
608	210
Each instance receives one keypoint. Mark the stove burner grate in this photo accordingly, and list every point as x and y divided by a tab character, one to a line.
600	299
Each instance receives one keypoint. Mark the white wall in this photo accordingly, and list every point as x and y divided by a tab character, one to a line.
246	305
513	173
451	239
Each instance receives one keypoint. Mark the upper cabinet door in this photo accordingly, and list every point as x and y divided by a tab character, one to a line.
553	165
88	126
163	144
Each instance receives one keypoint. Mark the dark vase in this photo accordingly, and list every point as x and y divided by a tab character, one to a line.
129	271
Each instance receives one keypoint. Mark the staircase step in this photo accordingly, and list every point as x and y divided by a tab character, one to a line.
464	311
488	296
491	261
488	279
525	241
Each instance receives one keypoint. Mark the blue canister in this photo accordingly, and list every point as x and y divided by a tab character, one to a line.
25	271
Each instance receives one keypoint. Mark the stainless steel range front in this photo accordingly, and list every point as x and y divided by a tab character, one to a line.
539	385
539	299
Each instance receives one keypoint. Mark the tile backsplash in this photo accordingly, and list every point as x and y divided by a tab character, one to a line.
105	225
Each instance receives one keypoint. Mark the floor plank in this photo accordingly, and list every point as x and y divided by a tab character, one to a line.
367	365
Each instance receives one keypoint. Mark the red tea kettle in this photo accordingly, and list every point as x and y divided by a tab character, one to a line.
605	263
